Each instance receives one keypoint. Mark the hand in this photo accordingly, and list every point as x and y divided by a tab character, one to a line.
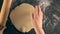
4	14
1	30
37	18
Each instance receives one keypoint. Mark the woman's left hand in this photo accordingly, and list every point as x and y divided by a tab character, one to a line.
37	18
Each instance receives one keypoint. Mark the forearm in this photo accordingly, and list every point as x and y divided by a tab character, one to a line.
5	11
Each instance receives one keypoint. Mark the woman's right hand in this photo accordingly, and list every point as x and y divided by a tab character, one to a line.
4	14
1	31
5	11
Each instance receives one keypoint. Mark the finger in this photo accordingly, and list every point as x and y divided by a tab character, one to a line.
3	28
36	13
34	20
32	16
40	11
36	10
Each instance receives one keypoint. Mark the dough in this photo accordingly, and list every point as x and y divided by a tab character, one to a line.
20	17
